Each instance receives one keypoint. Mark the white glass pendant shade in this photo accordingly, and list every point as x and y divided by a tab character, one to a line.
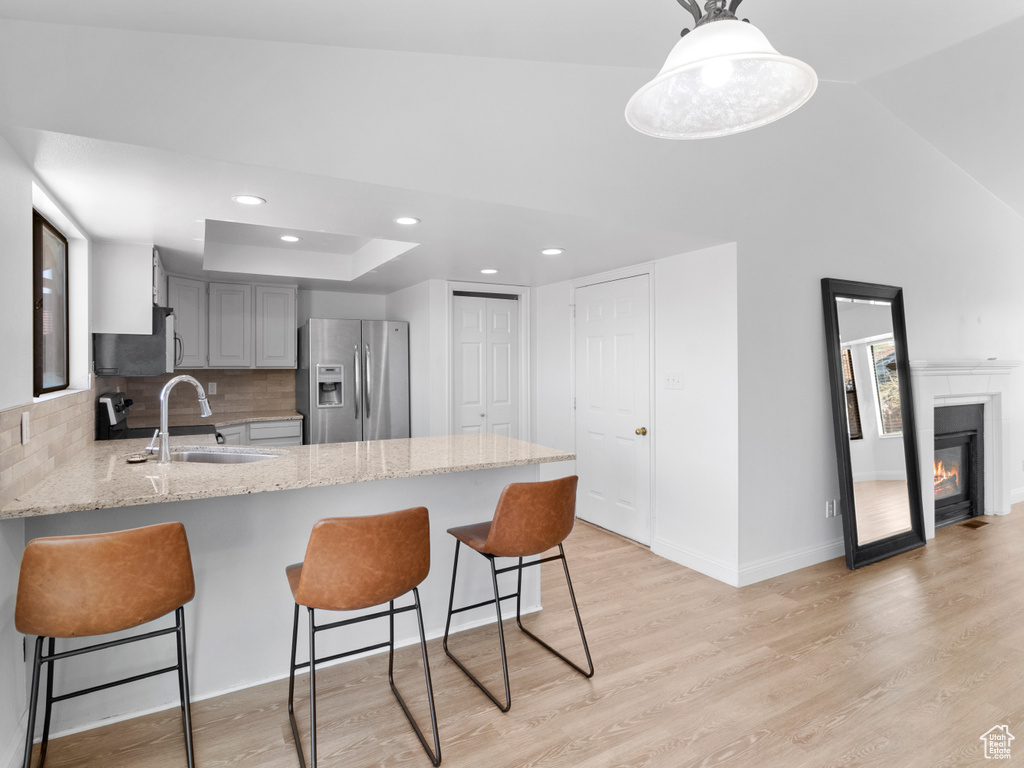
723	77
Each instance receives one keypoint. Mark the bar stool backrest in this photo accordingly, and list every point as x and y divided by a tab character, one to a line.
532	517
357	562
93	584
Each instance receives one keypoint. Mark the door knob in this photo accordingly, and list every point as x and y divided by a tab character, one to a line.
642	431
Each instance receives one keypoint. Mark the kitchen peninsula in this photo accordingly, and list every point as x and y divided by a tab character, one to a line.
246	522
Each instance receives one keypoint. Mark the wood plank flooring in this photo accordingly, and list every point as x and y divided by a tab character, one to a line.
903	663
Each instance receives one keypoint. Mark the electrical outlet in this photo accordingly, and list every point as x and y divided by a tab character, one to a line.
24	428
211	388
828	508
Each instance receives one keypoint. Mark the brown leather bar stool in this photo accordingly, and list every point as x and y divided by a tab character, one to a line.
530	519
354	563
95	584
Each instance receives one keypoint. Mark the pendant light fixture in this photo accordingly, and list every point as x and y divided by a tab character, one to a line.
723	77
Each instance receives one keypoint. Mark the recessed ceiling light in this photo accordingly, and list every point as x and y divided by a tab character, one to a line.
248	199
290	238
407	221
488	271
553	251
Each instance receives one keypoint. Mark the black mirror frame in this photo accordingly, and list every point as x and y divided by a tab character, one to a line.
858	555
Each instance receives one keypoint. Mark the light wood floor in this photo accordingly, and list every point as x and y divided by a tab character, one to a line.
903	663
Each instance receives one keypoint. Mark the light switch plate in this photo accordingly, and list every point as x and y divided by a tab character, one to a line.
24	428
674	381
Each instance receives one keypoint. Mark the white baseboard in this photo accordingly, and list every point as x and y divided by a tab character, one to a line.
716	569
771	567
757	571
1016	496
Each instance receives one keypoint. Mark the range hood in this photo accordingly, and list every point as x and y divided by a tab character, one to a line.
129	354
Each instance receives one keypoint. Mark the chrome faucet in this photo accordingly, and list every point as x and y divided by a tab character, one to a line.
165	394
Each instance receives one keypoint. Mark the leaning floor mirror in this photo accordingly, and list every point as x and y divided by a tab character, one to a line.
873	416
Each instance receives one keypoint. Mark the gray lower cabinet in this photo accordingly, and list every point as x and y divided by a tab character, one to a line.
264	434
235	434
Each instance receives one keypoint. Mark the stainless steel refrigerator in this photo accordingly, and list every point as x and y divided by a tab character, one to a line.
352	382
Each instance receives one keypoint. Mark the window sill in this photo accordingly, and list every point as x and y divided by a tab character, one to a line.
54	395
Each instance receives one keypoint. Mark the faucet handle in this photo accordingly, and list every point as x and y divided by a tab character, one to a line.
151	448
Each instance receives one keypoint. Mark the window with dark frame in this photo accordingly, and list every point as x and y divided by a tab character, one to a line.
51	359
887	387
852	408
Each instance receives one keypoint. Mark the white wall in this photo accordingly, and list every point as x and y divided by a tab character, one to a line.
335	304
696	434
425	308
551	372
16	285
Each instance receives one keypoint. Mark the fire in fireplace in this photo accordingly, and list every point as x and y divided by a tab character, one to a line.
947	473
958	463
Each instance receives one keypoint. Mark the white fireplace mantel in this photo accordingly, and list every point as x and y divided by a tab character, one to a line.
962	382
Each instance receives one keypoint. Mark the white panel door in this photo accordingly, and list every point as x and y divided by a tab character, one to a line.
485	342
612	369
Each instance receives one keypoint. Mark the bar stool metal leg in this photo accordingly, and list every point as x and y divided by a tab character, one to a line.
504	707
435	755
588	673
498	597
183	690
33	701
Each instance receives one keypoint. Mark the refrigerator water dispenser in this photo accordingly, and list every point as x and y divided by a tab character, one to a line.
329	380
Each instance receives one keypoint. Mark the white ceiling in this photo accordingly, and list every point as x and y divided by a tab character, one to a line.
498	124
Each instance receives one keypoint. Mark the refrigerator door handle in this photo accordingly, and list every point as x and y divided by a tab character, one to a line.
366	389
356	369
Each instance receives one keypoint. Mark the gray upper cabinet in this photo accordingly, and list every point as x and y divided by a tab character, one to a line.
188	300
231	326
275	327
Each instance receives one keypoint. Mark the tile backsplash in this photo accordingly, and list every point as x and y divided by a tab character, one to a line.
239	393
59	427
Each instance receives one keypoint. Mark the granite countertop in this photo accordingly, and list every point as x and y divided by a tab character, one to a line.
152	421
100	477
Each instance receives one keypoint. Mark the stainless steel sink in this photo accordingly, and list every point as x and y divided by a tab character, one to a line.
220	457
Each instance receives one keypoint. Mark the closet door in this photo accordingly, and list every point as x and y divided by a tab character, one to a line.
485	347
